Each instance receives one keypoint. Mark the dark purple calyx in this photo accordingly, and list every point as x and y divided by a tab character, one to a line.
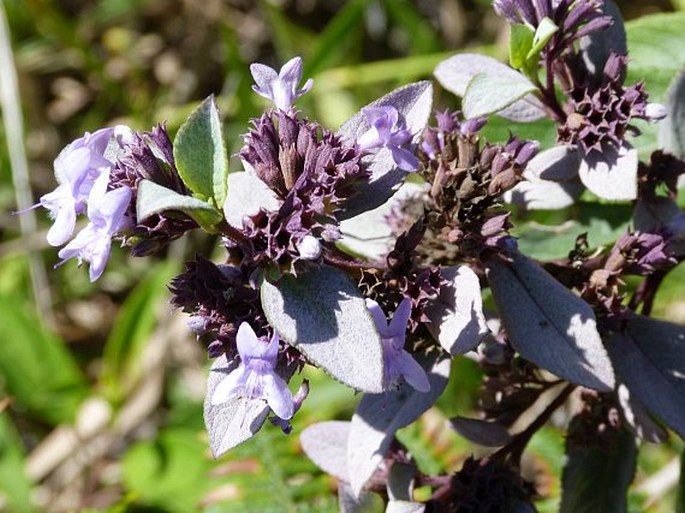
149	156
599	112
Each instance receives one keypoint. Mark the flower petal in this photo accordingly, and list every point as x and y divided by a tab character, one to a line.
412	372
378	316
398	324
249	346
278	396
230	385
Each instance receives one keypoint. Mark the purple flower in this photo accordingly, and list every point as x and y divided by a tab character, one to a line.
106	212
280	88
255	378
396	361
388	130
76	169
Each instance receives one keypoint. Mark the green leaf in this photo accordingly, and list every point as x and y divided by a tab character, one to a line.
657	55
546	29
487	94
545	240
335	37
596	479
154	199
134	324
15	487
170	471
323	314
672	132
200	153
680	501
37	369
520	45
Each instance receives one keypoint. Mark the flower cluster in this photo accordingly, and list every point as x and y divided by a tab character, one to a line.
82	171
291	289
600	111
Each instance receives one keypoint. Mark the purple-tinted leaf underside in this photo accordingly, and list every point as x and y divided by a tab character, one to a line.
379	416
548	324
414	103
649	355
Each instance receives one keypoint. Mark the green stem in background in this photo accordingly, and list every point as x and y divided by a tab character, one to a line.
10	101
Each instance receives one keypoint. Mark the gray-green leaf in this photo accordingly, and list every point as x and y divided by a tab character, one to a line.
323	314
672	130
200	153
154	199
487	94
235	421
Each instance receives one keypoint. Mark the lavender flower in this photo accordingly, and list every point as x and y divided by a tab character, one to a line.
76	169
280	88
106	212
255	378
396	361
389	131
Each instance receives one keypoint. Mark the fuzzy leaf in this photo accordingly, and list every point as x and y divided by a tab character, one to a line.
489	94
405	507
401	481
414	103
457	319
672	130
651	215
325	444
369	235
596	47
323	314
551	180
456	72
596	479
200	153
233	422
649	356
481	432
247	195
351	503
637	418
611	174
548	324
379	416
155	199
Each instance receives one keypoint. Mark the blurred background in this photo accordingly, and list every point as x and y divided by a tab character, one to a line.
101	385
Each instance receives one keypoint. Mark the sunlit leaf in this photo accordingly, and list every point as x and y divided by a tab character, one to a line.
414	103
378	417
548	324
649	355
489	94
200	154
238	419
323	314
